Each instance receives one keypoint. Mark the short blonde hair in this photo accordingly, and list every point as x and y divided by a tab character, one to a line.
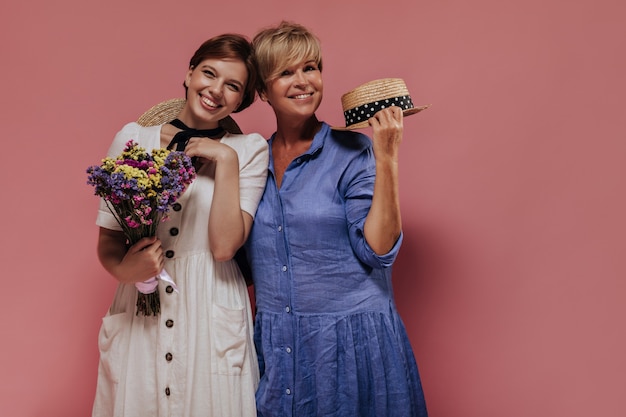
278	47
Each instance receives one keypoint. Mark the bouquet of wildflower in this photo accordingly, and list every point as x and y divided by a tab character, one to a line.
139	189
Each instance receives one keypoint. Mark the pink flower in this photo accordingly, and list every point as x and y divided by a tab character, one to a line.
131	223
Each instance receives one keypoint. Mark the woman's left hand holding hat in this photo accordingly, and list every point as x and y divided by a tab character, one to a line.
388	126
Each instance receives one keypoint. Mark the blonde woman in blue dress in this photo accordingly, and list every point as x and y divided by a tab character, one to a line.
326	233
196	358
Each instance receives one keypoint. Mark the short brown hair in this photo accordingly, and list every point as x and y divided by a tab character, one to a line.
233	46
279	46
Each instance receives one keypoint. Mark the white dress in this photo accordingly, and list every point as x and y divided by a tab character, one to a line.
197	358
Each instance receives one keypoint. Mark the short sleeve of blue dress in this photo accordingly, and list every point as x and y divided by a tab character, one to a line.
327	332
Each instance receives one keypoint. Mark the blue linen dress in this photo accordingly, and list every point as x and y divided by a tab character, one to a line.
328	335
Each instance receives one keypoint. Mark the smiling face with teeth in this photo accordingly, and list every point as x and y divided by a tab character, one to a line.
297	91
215	88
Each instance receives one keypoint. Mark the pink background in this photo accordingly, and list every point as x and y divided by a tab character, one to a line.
511	278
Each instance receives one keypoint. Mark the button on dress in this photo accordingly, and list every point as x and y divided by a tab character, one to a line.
197	357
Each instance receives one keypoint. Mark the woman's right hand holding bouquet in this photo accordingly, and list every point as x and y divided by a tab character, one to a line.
142	261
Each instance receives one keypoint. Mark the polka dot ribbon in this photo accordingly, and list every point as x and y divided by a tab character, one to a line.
368	110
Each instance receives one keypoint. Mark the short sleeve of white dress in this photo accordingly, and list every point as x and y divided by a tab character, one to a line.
147	137
253	152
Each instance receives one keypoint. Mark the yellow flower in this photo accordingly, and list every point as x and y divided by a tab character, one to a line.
159	155
108	164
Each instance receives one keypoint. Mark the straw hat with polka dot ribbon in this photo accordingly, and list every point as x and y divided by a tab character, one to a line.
360	104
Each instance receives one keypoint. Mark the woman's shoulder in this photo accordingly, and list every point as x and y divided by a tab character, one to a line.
253	136
144	136
134	128
245	141
348	138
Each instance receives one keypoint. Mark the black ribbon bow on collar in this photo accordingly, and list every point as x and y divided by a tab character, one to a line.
181	138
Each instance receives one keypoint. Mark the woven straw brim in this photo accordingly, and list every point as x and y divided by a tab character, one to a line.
373	91
168	110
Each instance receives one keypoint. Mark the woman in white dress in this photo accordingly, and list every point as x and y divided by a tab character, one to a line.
196	357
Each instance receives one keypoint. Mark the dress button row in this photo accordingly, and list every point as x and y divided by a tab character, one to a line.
169	323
